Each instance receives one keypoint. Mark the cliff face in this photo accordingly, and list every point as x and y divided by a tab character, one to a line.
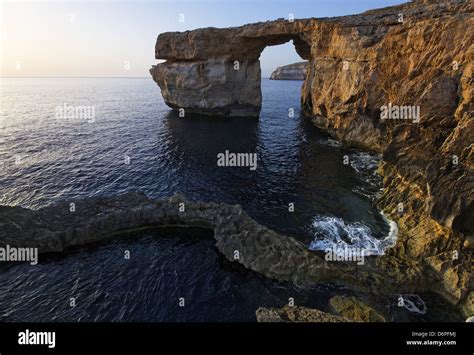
295	71
397	80
424	62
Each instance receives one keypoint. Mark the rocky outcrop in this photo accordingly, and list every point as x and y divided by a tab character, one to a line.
347	309
209	87
427	163
416	56
295	71
467	306
238	237
355	309
295	314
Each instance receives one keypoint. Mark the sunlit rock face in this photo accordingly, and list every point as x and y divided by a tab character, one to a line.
419	54
208	87
427	164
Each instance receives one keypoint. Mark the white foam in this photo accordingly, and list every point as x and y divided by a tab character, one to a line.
365	165
414	303
392	233
330	142
333	232
363	162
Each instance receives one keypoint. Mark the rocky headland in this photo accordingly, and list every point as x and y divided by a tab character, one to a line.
398	81
295	71
417	55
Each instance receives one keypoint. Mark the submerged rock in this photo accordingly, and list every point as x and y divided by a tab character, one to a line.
295	71
355	309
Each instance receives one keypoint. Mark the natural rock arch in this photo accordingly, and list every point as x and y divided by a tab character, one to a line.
217	71
358	64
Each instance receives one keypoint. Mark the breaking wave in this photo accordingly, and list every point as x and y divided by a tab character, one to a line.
333	232
413	303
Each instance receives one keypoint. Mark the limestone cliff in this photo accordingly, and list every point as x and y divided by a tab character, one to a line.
424	61
295	71
414	61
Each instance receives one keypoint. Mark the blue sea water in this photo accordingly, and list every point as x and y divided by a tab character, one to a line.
134	143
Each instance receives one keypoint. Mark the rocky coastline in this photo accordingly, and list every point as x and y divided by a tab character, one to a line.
417	55
239	238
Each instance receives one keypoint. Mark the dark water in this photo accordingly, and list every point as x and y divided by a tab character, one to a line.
68	158
45	159
164	266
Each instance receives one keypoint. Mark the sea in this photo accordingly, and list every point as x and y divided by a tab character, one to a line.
67	138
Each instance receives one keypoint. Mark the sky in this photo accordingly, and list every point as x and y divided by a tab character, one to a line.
110	38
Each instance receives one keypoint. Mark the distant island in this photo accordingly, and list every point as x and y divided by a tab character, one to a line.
295	71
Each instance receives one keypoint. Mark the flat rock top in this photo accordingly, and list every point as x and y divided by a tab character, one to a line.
247	41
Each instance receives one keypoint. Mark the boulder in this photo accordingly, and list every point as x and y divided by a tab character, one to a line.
295	314
355	309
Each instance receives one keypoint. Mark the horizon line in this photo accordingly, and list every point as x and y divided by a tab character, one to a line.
72	77
85	77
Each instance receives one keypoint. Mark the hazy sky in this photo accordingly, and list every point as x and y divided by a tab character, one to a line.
117	38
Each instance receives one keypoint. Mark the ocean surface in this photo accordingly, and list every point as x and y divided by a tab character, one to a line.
134	142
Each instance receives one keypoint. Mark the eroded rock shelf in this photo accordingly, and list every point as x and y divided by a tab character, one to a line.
56	228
